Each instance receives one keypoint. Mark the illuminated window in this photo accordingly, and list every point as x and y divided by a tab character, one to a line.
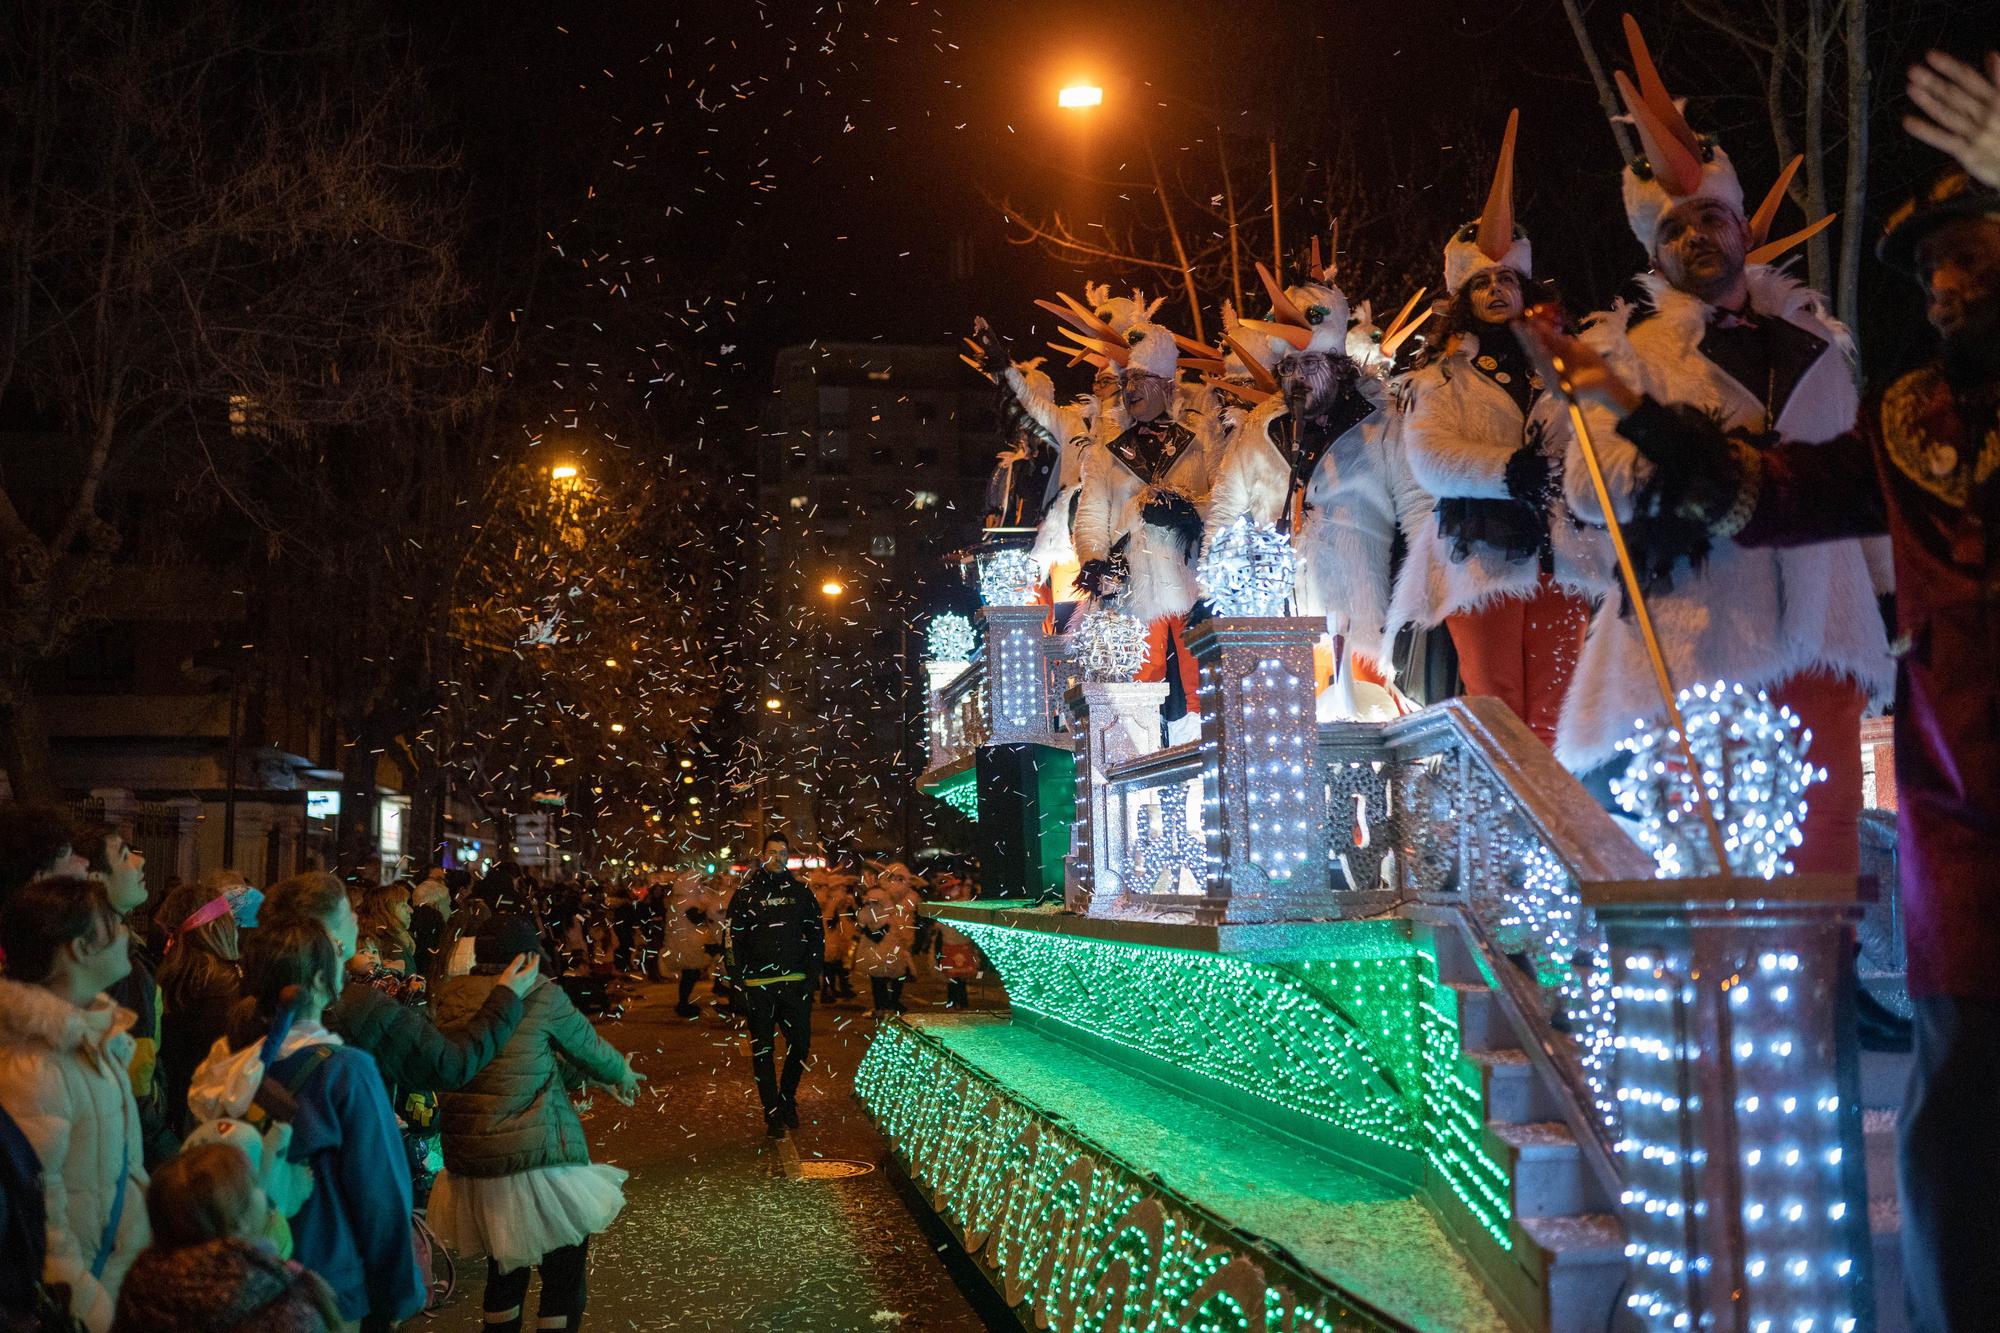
798	502
923	499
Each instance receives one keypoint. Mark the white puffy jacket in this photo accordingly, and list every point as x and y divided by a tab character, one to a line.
63	1080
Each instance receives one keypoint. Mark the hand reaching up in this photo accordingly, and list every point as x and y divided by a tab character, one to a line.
1961	107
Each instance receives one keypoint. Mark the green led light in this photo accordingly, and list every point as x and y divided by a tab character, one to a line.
960	792
1358	1042
1063	1226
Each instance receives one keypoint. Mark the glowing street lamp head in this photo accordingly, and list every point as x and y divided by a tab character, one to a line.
832	588
1079	95
563	472
774	703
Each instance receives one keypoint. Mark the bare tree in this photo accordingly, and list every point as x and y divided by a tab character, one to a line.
204	210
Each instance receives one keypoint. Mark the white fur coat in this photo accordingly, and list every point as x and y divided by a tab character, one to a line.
1160	580
1754	617
1353	500
1459	429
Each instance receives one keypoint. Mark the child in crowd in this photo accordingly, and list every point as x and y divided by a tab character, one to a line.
206	1270
518	1184
354	1227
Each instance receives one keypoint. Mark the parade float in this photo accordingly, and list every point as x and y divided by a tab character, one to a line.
1324	1025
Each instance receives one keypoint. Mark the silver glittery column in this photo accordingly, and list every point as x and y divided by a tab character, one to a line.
1114	721
937	675
1016	676
1745	1200
1264	804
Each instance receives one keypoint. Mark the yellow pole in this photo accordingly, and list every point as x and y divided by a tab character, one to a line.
1630	575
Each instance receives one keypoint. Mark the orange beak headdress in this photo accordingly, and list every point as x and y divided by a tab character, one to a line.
1491	240
1679	164
1309	317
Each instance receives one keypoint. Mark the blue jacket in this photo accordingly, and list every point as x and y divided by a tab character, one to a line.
354	1229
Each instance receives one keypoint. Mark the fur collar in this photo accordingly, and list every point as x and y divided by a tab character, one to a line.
32	1014
1773	291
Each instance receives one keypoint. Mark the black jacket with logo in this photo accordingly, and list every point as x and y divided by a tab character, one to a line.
774	928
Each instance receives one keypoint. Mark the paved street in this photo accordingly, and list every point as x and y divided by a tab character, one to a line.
723	1232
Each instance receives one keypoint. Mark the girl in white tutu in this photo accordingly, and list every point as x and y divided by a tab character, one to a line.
518	1184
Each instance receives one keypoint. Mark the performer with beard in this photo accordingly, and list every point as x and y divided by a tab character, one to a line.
1715	330
1138	524
1922	465
1501	565
1317	456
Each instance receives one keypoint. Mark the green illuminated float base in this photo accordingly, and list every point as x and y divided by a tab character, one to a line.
1095	1200
957	787
1291	1103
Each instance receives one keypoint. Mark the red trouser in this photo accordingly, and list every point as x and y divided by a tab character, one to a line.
1155	668
1522	650
1831	707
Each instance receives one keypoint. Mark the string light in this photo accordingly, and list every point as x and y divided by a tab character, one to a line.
1786	1128
1066	1229
1109	645
1009	576
1248	570
949	638
1359	1042
1751	760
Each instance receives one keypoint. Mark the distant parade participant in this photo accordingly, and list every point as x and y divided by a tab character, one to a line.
1138	518
885	938
1501	563
835	895
694	938
1713	330
776	949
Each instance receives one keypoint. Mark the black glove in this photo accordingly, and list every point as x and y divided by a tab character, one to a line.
993	352
1530	476
1699	469
1095	577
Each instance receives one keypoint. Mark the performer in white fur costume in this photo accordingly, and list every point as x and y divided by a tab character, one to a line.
1312	460
1138	520
1069	427
1342	487
1501	563
1714	329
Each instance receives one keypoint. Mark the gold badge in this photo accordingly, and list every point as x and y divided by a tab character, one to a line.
1487	363
1504	377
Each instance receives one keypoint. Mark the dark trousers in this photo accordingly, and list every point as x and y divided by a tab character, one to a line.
781	1006
1949	1174
887	993
690	978
954	993
564	1291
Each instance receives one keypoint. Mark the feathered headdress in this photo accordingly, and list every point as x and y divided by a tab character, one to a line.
1678	164
1153	350
1308	317
1491	240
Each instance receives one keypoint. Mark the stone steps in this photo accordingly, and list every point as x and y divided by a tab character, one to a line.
1569	1251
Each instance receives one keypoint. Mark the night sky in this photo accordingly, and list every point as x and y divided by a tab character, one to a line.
830	169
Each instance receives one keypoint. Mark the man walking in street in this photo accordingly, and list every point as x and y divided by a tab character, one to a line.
776	945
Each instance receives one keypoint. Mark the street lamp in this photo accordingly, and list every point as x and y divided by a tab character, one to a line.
832	588
774	703
1079	95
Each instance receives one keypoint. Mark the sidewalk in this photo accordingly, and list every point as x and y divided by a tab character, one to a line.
725	1231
